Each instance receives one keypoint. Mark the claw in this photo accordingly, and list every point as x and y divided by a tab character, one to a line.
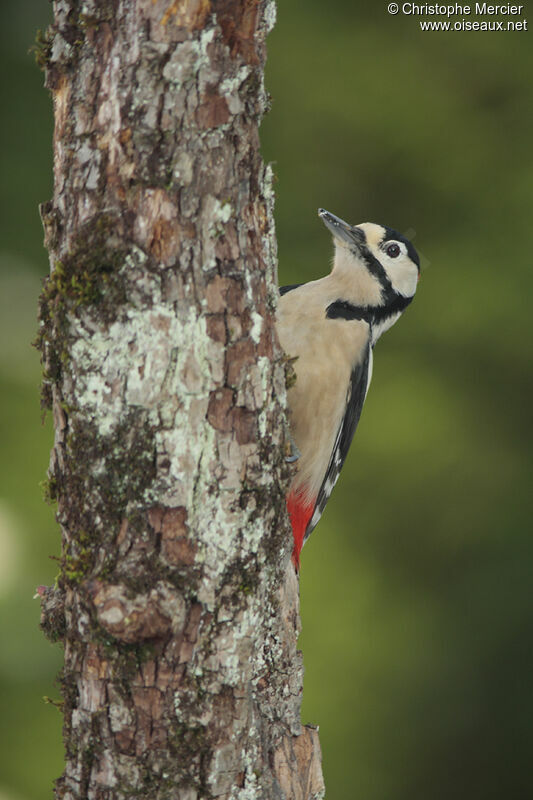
294	452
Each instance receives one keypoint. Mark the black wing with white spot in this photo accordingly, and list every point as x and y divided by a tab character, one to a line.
354	405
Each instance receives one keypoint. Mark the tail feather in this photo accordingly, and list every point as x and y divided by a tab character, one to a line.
300	512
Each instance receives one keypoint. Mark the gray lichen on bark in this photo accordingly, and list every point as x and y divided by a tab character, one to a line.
181	677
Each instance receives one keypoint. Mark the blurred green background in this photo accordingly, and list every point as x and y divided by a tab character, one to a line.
416	588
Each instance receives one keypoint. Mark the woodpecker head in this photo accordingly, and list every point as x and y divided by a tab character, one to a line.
381	264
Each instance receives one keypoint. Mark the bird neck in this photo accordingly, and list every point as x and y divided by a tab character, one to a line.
353	281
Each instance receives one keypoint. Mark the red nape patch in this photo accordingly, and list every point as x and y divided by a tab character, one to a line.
300	512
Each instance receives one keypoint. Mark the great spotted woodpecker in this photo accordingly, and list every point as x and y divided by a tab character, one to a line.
330	327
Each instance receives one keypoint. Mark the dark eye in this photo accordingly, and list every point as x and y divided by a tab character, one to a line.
393	250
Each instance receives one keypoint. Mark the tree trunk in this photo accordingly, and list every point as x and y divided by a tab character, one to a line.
176	600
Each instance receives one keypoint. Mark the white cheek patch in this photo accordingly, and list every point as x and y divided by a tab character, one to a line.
403	277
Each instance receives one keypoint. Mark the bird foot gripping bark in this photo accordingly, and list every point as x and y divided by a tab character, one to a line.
293	454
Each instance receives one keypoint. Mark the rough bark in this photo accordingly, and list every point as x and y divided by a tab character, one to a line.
176	602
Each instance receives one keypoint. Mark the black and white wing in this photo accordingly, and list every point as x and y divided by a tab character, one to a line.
354	405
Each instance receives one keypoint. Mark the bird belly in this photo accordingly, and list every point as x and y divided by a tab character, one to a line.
317	401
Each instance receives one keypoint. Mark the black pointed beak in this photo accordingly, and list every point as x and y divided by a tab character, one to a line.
340	229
